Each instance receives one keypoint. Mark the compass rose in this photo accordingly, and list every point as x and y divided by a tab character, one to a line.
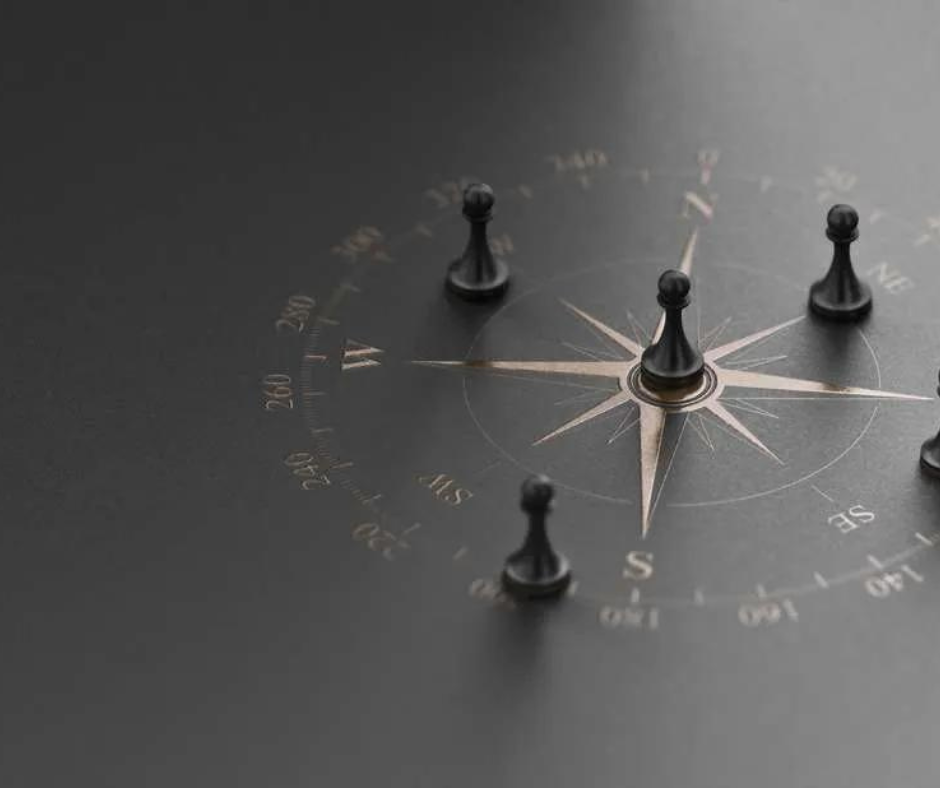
718	384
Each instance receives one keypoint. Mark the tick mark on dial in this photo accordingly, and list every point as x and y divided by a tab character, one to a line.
925	539
827	497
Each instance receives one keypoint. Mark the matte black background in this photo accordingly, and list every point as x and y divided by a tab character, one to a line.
166	619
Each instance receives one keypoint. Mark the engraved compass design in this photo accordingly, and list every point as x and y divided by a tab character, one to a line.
653	408
770	480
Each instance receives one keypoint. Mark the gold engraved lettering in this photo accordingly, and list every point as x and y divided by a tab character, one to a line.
638	565
359	356
579	160
387	544
848	521
277	391
707	159
501	245
365	240
582	164
891	279
885	584
295	314
704	207
448	193
491	591
767	612
445	489
833	183
631	617
308	470
932	233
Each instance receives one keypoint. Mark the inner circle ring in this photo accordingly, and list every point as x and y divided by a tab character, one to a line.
623	500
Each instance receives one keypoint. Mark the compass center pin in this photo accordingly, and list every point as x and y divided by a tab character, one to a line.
675	399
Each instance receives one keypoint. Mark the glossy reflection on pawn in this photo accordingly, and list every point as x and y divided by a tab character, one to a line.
536	569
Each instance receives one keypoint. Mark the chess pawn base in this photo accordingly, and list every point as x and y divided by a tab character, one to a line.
840	295
823	301
930	456
524	575
462	282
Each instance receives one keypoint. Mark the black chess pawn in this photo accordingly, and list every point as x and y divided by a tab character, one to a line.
535	569
841	295
477	275
930	454
672	362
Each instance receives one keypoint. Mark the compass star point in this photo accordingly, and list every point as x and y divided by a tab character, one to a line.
596	369
652	429
611	333
718	353
609	404
722	413
748	379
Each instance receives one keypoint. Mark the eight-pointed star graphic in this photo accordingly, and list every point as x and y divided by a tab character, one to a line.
653	414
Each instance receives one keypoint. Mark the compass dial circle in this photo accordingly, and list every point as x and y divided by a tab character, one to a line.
753	491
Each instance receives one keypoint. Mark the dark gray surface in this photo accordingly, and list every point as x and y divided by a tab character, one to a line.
170	617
